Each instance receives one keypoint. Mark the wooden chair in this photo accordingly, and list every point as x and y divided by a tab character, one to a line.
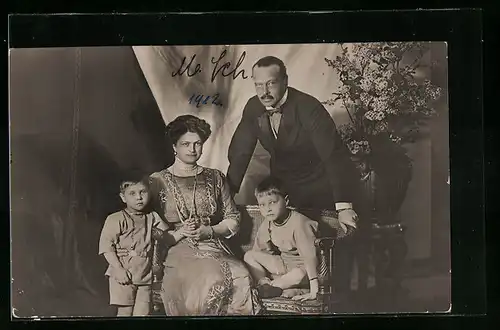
325	244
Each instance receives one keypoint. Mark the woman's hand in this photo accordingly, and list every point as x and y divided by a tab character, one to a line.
347	219
188	229
156	234
203	233
189	226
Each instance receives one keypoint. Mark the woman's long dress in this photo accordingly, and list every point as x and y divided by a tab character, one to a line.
202	278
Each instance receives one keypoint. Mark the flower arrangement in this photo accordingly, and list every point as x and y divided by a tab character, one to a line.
382	93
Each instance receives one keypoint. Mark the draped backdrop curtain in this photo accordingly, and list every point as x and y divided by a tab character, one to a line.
306	69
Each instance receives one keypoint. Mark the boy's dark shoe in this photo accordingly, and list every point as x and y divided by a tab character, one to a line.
269	291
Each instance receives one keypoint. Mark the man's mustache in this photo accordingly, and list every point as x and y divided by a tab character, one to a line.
265	97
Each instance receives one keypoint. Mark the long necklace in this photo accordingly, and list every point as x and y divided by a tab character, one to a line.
192	211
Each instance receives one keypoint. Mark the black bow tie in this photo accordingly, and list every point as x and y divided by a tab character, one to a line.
273	111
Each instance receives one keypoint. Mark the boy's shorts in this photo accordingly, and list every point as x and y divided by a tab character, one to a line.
288	263
285	264
128	295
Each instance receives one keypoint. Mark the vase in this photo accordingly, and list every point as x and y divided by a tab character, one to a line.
384	180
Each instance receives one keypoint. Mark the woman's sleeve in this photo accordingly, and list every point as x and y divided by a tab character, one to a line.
159	223
155	190
230	214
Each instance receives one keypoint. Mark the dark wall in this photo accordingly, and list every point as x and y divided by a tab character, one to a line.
79	118
441	215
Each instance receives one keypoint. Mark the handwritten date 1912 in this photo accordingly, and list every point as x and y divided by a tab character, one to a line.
200	100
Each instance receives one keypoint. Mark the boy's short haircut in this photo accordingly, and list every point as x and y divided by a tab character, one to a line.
132	177
270	186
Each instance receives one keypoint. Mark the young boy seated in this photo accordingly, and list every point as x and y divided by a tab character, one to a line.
284	255
130	277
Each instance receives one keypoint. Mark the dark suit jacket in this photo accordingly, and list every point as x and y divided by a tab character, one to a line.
308	154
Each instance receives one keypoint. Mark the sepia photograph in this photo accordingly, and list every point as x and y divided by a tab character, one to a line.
230	180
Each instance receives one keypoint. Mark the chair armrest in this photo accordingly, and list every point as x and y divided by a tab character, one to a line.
387	230
324	242
158	257
325	247
158	254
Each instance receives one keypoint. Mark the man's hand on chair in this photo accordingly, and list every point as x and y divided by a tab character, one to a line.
347	219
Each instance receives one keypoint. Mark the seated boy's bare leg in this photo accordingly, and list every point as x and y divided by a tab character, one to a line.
260	263
291	279
290	293
125	310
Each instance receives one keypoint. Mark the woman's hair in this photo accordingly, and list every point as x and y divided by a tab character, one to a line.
188	123
270	186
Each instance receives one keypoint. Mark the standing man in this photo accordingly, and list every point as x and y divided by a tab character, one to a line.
307	153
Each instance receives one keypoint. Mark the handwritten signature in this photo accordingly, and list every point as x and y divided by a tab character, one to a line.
200	99
219	68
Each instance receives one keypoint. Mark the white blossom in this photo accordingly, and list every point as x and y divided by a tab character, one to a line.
366	85
381	89
391	90
366	99
380	103
381	84
388	74
344	89
374	115
395	138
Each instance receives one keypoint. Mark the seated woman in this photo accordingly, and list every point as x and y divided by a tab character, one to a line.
201	275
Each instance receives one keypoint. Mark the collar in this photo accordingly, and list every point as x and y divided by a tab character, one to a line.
280	103
134	213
